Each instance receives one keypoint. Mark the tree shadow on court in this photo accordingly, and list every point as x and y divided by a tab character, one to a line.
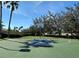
20	50
23	48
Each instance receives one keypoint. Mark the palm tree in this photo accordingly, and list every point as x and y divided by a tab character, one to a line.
0	17
12	5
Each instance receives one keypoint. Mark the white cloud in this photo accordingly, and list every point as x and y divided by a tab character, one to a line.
37	4
20	12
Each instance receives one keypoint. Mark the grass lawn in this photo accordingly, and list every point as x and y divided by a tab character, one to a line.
63	48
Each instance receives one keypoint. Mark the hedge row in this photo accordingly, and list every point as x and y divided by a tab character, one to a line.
12	34
63	36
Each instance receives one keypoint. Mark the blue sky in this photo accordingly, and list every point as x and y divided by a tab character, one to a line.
28	10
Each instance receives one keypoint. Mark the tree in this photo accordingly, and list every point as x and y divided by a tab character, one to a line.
11	5
0	17
15	28
71	19
38	25
18	29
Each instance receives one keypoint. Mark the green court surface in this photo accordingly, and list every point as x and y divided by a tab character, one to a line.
64	48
